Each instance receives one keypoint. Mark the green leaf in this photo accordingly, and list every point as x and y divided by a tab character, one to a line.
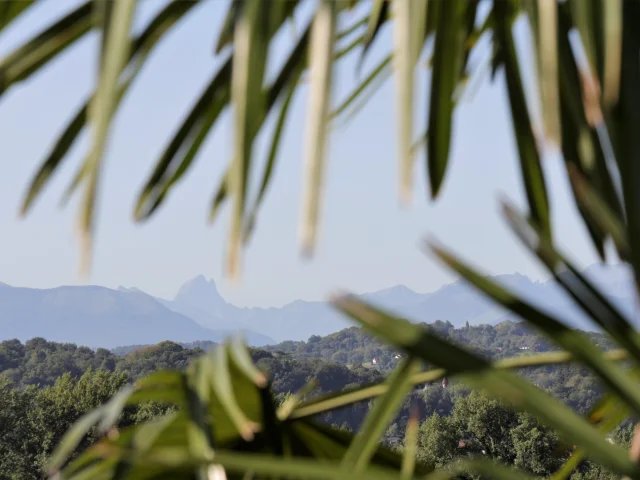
321	77
583	15
163	386
377	16
547	59
447	65
72	439
34	54
288	406
410	445
612	19
377	420
12	9
251	43
220	196
102	108
225	37
532	174
479	373
600	213
618	380
170	167
222	384
199	428
380	72
240	357
271	159
113	408
627	118
404	58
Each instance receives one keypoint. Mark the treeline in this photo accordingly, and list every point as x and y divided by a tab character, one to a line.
353	346
46	386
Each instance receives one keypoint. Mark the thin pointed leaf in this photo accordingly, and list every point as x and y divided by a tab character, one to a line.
34	54
279	12
321	77
355	43
249	60
548	68
113	408
199	118
617	379
380	416
72	438
225	37
410	446
532	174
271	161
381	70
377	17
627	120
220	196
12	9
612	20
142	47
285	410
583	14
223	388
403	65
102	108
479	373
354	27
240	357
447	65
199	428
599	211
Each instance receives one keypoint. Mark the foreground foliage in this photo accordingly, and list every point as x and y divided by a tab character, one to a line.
226	420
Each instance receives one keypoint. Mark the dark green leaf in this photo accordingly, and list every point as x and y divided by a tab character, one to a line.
532	174
377	17
447	66
37	52
321	65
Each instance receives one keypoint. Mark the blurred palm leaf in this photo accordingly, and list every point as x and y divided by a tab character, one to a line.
590	103
601	34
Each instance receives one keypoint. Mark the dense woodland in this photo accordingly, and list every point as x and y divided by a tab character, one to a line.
45	386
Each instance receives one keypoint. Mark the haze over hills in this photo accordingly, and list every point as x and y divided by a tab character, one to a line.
99	316
457	303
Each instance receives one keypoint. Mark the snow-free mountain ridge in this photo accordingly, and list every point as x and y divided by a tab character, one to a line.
99	316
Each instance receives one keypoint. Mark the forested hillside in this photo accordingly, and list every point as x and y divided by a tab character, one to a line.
352	346
45	386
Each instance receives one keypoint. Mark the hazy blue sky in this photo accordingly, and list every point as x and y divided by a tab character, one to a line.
366	241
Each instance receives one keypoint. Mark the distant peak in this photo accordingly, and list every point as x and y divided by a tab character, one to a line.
200	280
199	291
129	289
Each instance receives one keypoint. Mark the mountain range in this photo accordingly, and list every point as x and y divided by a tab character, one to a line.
99	316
